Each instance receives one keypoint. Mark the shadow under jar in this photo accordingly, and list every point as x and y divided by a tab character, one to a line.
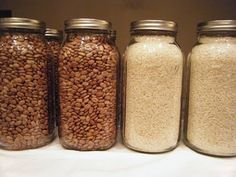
54	40
24	120
153	64
87	86
210	127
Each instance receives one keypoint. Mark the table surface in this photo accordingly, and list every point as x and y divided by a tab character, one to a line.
55	161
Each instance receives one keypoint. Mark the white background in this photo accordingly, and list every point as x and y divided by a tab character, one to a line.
55	161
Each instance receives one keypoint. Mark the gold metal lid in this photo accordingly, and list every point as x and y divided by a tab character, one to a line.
153	25
217	25
22	23
113	33
50	32
87	23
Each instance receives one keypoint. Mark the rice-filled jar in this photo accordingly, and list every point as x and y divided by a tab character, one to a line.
153	74
211	124
88	78
24	122
54	39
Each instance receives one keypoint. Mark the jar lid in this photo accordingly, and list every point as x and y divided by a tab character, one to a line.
217	25
87	23
156	25
113	33
22	23
50	32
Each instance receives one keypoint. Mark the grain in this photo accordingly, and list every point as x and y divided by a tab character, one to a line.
87	93
24	121
212	97
153	91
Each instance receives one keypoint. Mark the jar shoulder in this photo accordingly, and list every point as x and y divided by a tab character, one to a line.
216	50
87	47
155	49
23	43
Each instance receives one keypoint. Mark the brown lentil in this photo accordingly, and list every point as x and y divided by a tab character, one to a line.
24	121
54	40
88	76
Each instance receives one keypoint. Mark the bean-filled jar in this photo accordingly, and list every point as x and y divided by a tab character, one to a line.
211	124
88	78
112	37
153	64
24	121
54	40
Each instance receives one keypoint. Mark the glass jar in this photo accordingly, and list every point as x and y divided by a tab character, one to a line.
54	40
112	37
24	122
211	124
153	83
88	78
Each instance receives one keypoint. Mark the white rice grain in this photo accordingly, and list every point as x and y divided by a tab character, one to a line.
212	99
153	94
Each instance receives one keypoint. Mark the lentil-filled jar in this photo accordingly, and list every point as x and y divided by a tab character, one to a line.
88	78
211	124
24	122
112	37
153	83
54	40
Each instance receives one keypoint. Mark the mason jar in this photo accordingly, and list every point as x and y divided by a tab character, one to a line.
88	77
112	37
211	124
54	39
24	122
153	64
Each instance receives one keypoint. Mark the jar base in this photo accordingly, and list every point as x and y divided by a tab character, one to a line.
71	147
47	141
204	152
141	151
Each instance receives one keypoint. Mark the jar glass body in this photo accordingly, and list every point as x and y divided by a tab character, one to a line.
88	91
112	40
25	122
210	127
153	65
54	44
